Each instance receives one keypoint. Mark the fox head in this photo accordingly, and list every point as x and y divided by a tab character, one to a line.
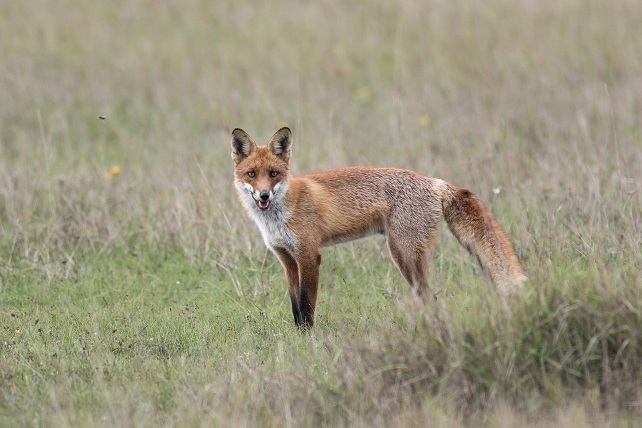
261	172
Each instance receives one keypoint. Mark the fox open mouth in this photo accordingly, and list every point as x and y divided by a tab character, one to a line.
264	205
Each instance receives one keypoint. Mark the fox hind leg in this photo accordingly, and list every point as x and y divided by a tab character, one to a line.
411	256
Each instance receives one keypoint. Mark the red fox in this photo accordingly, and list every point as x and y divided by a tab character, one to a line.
299	215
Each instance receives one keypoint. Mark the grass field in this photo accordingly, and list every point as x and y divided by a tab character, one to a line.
135	292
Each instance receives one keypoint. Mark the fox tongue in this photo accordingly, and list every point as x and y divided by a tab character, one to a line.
264	204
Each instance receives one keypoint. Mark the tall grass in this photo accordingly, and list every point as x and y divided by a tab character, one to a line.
147	297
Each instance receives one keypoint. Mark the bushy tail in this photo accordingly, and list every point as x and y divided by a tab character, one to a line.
478	231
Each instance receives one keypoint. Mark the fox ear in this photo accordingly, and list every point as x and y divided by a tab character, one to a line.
281	144
242	145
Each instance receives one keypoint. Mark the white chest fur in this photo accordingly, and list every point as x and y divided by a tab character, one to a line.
271	222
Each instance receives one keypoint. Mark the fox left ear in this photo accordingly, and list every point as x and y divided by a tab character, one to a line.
281	144
242	145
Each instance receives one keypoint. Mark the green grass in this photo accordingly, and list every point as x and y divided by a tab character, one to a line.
148	298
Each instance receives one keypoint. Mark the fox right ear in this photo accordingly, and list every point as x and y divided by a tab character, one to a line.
242	145
281	144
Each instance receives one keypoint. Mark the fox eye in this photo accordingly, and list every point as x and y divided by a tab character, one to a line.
273	174
251	174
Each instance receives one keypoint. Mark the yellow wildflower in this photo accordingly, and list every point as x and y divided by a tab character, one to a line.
113	172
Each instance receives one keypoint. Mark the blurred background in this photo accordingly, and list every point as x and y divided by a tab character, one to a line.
115	116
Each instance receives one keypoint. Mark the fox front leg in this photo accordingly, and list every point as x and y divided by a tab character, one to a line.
309	285
291	269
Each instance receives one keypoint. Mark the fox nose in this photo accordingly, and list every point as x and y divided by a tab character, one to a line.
264	196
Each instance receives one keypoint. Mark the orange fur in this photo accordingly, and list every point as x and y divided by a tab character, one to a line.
299	215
